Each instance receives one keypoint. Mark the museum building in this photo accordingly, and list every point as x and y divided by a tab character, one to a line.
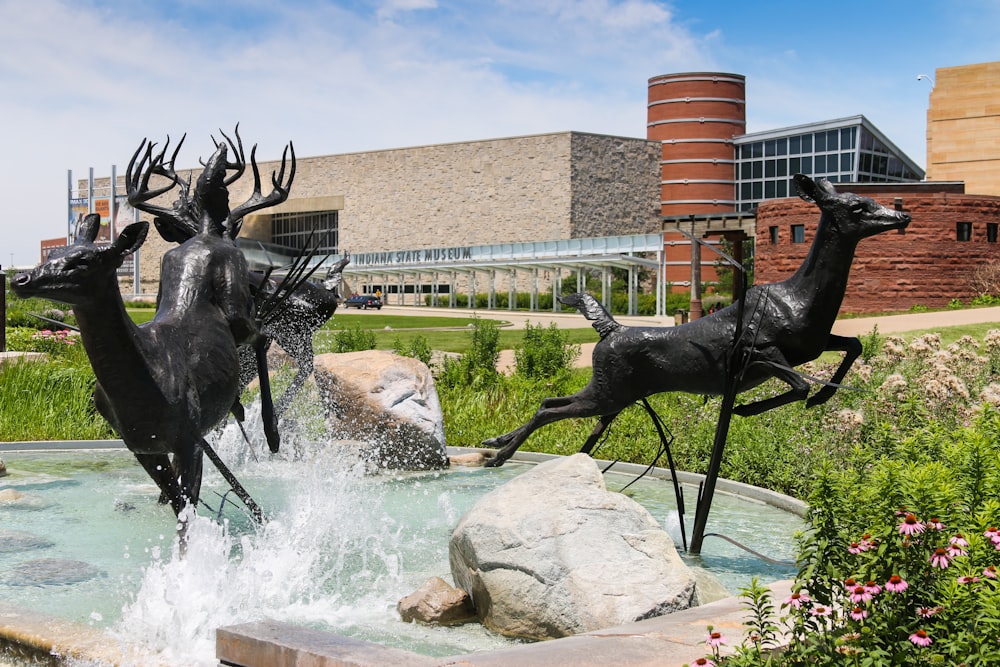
528	213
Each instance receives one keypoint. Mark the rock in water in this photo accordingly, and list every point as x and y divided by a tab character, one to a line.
52	572
553	553
437	603
387	401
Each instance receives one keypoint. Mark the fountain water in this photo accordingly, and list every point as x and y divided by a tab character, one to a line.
339	549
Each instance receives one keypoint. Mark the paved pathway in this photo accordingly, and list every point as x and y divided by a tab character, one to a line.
856	326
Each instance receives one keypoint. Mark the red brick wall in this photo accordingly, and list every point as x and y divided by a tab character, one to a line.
926	265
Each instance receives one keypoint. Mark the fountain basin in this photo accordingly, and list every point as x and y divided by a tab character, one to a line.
389	532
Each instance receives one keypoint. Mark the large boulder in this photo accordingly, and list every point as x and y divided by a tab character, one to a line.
387	401
553	553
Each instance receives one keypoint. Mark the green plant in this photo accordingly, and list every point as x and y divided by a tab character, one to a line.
918	308
545	352
353	340
476	368
418	348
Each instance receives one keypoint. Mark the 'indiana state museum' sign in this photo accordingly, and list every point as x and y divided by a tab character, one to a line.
425	256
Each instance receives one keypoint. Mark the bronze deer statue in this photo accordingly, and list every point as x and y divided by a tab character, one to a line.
164	384
787	324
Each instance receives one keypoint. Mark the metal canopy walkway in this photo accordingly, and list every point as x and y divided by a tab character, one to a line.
402	274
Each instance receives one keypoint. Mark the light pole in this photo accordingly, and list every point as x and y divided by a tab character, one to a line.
921	77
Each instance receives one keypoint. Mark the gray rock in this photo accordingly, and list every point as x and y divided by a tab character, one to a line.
554	553
437	603
387	401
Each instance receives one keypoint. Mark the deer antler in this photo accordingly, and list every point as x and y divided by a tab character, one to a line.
239	163
258	201
178	217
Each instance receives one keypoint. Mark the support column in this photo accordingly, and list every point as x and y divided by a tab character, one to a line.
451	291
512	290
491	294
534	290
606	288
556	290
695	280
633	283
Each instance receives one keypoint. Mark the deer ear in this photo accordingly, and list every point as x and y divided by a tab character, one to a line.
86	229
130	239
806	187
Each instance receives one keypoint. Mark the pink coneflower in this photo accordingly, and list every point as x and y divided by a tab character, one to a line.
940	558
910	525
858	547
968	580
990	572
820	611
860	594
703	662
715	639
935	523
797	599
927	612
920	638
956	546
872	587
991	533
859	614
896	584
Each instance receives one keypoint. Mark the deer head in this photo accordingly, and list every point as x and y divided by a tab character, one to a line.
852	216
74	274
335	274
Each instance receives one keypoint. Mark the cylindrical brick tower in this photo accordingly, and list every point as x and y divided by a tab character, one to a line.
695	117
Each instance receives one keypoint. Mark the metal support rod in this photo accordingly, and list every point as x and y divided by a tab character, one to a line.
707	491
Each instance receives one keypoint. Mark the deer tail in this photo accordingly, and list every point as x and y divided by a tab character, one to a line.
592	309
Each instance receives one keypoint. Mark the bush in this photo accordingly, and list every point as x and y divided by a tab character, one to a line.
355	339
544	353
476	368
20	313
418	348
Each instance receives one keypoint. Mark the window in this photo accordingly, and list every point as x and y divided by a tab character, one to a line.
794	145
991	232
293	230
798	233
773	232
963	231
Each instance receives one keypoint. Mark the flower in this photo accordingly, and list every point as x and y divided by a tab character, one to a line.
797	599
940	558
990	572
956	546
860	594
820	611
920	638
859	614
872	587
968	580
910	525
896	584
992	533
715	639
935	523
927	612
703	662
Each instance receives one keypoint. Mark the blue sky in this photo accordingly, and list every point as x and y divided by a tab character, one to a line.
83	81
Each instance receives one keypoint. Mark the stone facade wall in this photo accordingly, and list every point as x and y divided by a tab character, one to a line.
925	266
963	127
615	186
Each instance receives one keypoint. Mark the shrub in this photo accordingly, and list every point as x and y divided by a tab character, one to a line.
476	368
545	352
354	340
418	348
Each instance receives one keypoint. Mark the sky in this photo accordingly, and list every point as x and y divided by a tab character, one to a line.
82	82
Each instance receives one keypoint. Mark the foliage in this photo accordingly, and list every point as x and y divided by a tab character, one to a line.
477	368
984	281
56	344
545	352
900	561
418	348
355	339
21	313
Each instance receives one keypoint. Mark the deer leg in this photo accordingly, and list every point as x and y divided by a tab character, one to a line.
266	405
305	362
189	464
798	392
602	424
581	404
159	469
851	347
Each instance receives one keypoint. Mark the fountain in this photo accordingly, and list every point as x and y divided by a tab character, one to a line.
330	528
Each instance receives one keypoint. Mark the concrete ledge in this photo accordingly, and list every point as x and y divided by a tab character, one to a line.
666	641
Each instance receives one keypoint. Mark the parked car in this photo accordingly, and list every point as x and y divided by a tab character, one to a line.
364	301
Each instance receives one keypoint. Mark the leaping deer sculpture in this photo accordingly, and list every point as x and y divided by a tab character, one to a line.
786	324
164	384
